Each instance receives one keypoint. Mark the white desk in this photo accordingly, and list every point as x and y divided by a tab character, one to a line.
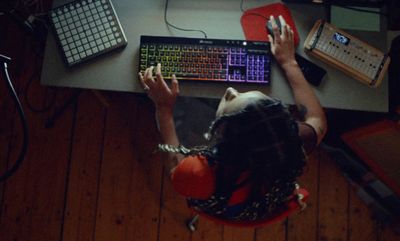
117	71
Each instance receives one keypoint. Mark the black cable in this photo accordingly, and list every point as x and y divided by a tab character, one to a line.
11	171
26	96
58	112
173	26
241	5
35	74
254	14
30	22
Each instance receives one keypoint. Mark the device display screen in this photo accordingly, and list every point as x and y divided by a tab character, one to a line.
341	39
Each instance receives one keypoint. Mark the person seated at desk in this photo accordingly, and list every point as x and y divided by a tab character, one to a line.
256	147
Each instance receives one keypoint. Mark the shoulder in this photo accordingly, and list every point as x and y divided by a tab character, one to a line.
193	177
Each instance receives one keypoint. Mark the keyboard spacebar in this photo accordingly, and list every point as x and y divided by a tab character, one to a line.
187	76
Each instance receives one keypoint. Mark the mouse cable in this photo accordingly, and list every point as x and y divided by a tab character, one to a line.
247	14
241	5
173	26
8	173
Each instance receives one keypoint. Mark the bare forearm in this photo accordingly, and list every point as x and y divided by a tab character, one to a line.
168	134
166	127
305	99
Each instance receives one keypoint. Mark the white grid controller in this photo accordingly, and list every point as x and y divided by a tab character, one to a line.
85	29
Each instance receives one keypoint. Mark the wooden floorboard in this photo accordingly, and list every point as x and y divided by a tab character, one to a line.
332	202
86	159
361	225
238	234
308	219
273	232
387	234
7	114
174	212
130	181
208	231
95	176
147	170
34	196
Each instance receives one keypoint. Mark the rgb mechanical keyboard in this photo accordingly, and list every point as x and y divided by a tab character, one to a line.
207	59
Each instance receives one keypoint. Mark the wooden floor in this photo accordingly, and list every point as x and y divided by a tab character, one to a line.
94	175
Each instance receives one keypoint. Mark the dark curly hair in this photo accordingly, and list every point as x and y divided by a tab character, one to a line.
261	139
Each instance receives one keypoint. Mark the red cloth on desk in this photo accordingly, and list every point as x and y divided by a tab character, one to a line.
254	21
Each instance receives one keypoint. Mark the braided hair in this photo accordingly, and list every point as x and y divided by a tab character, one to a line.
261	139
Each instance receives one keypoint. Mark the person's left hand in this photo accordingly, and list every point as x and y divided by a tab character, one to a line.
157	89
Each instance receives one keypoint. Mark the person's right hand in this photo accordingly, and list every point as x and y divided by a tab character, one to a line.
157	89
282	44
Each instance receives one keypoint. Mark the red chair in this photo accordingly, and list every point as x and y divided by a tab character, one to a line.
296	203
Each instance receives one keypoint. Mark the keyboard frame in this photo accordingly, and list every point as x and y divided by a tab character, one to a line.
256	47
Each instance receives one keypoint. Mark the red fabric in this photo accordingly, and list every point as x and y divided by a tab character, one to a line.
242	193
293	206
193	177
254	26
